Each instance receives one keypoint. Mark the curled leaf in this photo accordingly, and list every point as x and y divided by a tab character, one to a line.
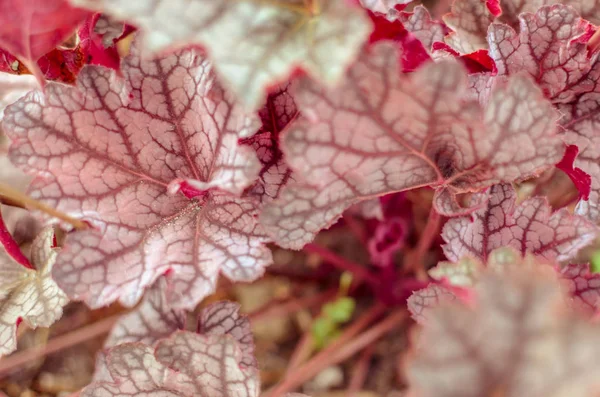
29	294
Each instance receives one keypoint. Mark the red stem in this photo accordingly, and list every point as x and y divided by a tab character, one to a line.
358	271
11	246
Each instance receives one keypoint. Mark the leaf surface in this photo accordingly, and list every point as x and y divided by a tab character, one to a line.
381	132
115	152
254	44
151	321
530	227
583	286
469	21
279	111
420	24
29	294
185	364
518	339
546	47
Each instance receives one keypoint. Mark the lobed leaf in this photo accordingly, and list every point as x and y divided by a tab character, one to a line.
29	294
518	339
469	21
254	44
530	227
381	132
114	152
420	24
547	47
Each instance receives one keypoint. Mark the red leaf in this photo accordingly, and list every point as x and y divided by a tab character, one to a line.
582	180
30	29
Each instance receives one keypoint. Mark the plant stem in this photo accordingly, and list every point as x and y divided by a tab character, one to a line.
360	371
429	234
28	202
341	352
59	343
11	246
357	270
291	306
356	228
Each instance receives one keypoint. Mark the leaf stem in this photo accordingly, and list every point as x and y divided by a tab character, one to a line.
28	202
337	353
359	272
431	231
11	246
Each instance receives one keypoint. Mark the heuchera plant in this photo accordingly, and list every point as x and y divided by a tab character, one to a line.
170	142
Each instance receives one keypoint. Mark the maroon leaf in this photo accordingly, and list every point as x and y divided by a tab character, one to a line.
518	339
528	227
30	29
381	132
113	152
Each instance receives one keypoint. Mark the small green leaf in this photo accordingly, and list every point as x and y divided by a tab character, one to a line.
322	330
340	310
595	262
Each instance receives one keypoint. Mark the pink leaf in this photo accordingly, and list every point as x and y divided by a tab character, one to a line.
185	364
151	321
581	118
420	24
278	112
30	29
469	21
528	227
224	318
519	339
387	7
583	286
111	151
29	294
253	44
381	132
422	301
546	47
